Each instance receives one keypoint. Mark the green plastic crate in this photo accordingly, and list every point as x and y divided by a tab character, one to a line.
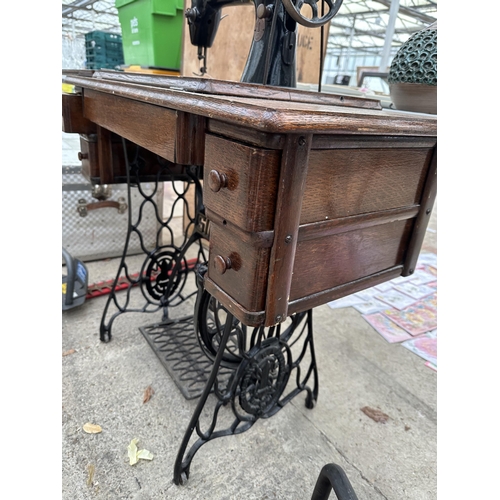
152	32
106	47
103	50
101	37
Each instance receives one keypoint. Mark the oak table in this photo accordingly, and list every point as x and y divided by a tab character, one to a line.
303	197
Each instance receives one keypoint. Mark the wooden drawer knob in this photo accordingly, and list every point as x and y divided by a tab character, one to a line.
222	264
216	180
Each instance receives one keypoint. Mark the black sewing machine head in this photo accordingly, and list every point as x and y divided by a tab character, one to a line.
271	60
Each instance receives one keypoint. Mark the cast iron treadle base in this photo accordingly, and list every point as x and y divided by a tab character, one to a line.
177	347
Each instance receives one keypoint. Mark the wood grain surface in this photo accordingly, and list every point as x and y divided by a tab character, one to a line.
269	115
309	201
249	199
152	127
226	88
327	262
246	279
344	182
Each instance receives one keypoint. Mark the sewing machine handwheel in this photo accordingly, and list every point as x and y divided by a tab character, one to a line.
293	8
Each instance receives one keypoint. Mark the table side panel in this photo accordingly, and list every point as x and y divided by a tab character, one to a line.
346	182
149	126
324	263
73	121
358	217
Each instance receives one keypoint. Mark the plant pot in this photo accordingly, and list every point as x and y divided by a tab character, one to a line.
413	73
417	97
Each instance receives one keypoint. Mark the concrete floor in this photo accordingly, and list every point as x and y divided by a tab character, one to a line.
278	458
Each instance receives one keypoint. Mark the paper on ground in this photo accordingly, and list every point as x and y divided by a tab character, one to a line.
414	291
348	301
370	306
416	319
427	258
424	346
134	454
388	329
395	299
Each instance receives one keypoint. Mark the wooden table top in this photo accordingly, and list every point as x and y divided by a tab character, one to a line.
262	108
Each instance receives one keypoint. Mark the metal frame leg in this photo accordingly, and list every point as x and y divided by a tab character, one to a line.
181	468
165	269
263	367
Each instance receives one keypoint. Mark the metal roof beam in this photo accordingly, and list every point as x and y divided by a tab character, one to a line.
76	5
407	11
373	33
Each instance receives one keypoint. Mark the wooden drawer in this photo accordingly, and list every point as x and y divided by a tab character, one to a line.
361	222
151	168
239	264
241	183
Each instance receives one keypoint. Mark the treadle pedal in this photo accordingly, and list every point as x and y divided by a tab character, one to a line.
174	342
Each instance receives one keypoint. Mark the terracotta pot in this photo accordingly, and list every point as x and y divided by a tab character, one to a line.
413	73
416	97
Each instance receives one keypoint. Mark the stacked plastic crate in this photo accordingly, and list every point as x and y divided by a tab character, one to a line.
103	50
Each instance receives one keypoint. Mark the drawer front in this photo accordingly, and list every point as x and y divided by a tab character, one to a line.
244	276
241	183
344	182
327	262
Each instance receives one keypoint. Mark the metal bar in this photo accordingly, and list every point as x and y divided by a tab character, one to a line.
333	476
408	11
389	35
181	469
76	5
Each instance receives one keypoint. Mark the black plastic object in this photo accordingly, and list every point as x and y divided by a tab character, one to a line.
75	283
332	476
341	79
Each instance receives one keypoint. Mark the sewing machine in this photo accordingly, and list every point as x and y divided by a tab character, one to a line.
272	56
303	197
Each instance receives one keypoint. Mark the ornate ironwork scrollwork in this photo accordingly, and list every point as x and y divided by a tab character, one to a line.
165	271
264	376
271	367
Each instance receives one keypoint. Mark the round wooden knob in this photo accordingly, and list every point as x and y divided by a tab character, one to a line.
222	264
264	11
216	180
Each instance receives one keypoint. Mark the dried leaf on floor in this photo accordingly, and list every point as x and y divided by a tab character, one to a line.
145	455
375	414
132	451
70	351
92	428
134	454
147	394
90	476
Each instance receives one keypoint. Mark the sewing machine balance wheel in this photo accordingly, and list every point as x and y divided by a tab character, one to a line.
293	7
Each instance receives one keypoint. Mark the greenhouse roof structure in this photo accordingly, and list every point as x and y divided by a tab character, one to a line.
360	25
